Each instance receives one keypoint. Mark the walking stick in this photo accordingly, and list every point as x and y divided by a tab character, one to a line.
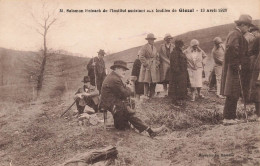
68	109
243	97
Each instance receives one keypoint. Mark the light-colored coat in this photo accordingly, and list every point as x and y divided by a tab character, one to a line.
149	72
164	62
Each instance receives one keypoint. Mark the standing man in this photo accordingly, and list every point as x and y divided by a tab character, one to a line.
149	72
164	53
114	96
234	62
218	52
97	70
253	38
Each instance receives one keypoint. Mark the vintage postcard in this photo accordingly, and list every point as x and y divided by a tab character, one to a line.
129	82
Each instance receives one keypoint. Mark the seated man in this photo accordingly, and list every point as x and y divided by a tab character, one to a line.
87	95
114	94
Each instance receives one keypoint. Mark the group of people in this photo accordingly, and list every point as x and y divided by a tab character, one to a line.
237	66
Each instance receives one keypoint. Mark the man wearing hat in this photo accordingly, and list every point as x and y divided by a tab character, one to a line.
253	39
86	95
164	53
149	72
114	95
235	62
97	70
218	52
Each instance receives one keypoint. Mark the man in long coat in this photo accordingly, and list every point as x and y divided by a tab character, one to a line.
164	53
149	72
114	96
96	67
254	52
235	61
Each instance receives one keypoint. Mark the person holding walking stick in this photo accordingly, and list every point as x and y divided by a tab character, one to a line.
97	70
232	82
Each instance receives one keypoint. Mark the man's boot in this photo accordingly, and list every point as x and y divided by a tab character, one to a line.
155	131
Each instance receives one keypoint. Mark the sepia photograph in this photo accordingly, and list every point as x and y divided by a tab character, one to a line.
129	83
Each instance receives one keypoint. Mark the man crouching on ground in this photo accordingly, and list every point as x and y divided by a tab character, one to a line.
86	95
114	95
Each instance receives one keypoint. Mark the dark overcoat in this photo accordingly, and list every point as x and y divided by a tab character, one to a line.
100	71
139	86
254	89
178	74
235	55
113	92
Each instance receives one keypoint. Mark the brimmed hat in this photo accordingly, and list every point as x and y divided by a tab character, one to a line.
167	36
86	79
119	63
150	36
101	52
194	42
217	40
245	18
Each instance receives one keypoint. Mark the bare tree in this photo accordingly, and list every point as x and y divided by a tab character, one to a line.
44	20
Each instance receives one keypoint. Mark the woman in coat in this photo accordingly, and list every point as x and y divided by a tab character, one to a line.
164	53
178	74
149	72
139	86
195	56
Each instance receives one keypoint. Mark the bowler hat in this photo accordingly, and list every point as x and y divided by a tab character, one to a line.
245	18
167	36
217	40
86	79
119	63
101	52
150	36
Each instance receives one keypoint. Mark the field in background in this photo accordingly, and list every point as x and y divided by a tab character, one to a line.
33	134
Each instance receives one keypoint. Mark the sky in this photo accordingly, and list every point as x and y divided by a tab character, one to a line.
87	32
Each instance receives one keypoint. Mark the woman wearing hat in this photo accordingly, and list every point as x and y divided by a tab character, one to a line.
149	72
164	53
218	52
178	74
195	56
234	67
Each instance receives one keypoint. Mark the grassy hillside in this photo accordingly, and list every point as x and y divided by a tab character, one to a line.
19	74
205	37
64	72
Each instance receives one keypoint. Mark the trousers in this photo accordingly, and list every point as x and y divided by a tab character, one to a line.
122	119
